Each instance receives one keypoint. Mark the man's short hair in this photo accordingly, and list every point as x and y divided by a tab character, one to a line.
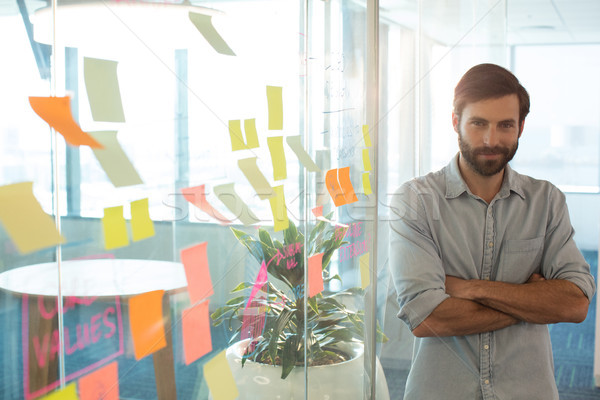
489	81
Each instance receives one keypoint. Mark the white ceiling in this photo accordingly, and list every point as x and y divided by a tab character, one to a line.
529	21
482	21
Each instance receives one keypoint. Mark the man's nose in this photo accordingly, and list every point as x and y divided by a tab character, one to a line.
490	138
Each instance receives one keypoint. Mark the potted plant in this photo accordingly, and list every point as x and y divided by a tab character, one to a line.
334	330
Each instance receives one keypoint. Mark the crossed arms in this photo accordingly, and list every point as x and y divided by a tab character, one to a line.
477	306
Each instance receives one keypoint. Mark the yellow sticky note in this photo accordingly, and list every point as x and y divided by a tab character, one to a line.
275	102
295	144
366	160
365	278
366	136
366	181
219	378
279	210
235	133
204	25
275	144
29	227
69	392
102	87
142	226
228	196
256	178
251	133
115	229
114	161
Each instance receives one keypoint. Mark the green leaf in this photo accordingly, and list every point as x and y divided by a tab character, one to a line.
290	235
251	244
289	356
312	303
236	301
281	322
329	279
241	286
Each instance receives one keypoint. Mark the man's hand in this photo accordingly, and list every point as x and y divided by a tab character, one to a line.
537	301
535	278
461	288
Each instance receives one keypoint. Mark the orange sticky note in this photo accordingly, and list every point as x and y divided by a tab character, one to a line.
195	325
25	221
315	274
346	184
197	196
115	228
102	384
340	187
56	111
333	186
220	379
69	392
146	321
195	262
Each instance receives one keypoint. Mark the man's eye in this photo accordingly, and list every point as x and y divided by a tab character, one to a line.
478	123
507	125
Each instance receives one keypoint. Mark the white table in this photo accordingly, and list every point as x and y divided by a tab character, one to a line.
102	278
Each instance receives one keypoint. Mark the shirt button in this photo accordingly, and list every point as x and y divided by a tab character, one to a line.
487	381
486	347
491	244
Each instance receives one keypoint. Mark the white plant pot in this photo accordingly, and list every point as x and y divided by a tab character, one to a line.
325	382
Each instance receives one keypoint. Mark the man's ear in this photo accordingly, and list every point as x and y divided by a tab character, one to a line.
521	128
455	122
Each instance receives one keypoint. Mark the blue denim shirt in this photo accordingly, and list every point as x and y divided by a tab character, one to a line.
440	228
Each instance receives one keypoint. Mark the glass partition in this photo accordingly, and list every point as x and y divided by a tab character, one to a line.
189	188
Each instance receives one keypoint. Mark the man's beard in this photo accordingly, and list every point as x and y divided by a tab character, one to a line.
486	167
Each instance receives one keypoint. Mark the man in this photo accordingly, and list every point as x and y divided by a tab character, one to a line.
483	258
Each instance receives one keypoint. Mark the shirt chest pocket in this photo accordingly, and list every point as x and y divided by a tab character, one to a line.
519	259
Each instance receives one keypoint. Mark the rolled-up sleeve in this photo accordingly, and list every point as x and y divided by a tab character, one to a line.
562	259
415	262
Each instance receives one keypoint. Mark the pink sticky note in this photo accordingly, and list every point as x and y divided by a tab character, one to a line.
195	324
146	321
261	279
197	196
255	310
315	274
195	262
102	384
318	211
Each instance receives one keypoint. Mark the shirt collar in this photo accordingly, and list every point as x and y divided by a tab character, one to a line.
455	184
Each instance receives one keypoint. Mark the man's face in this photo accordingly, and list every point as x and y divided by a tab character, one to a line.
488	134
